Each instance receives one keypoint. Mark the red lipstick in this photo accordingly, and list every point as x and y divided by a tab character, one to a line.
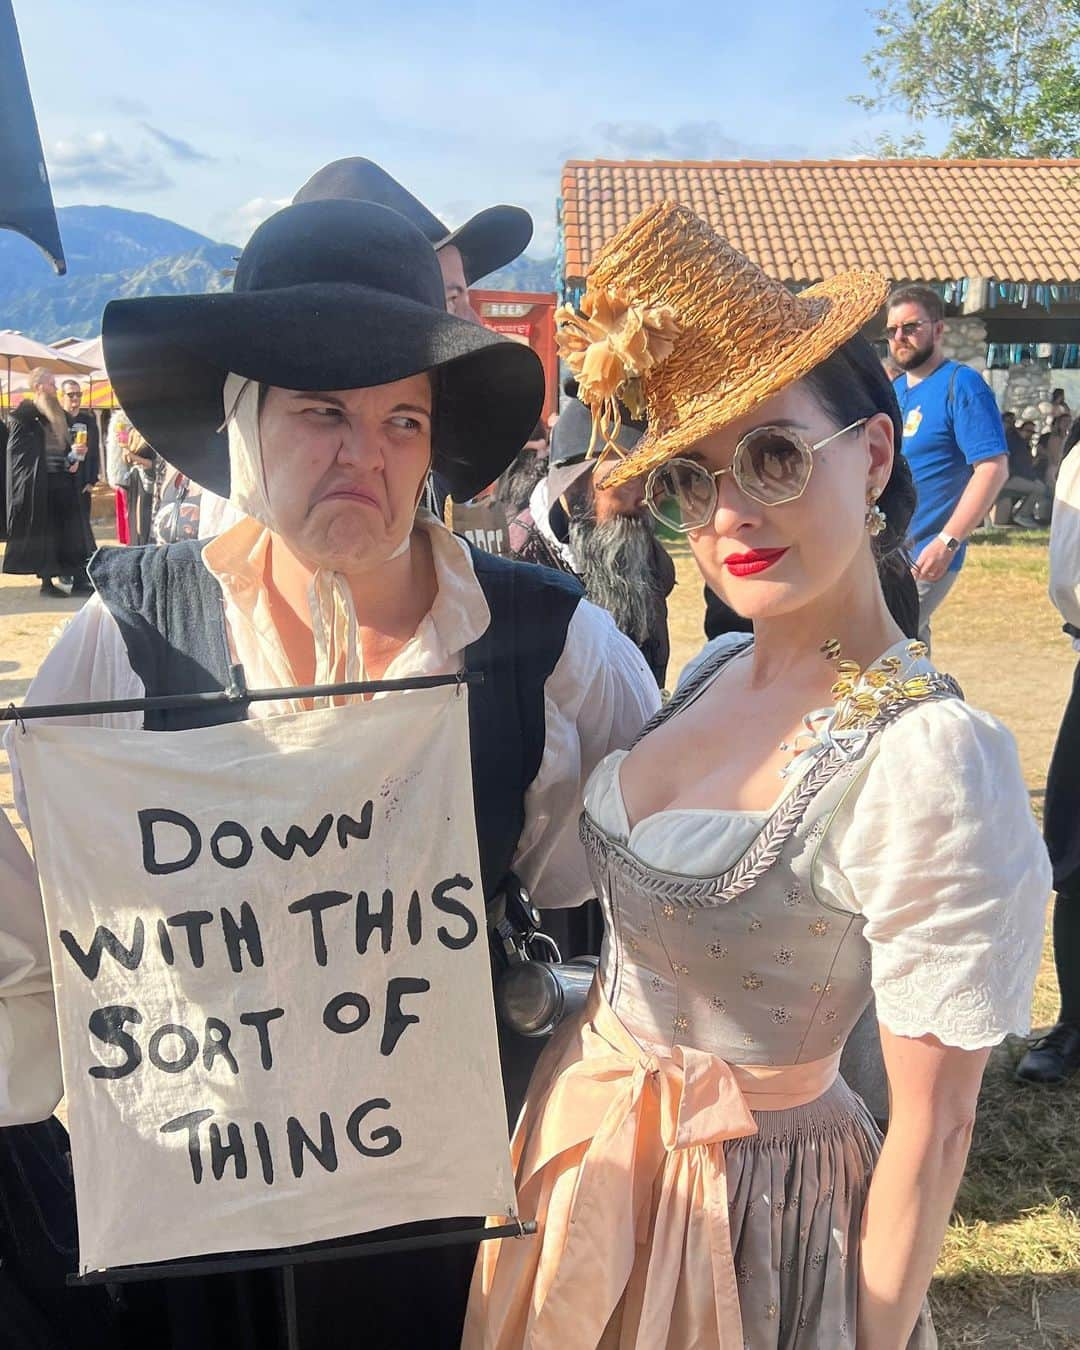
752	561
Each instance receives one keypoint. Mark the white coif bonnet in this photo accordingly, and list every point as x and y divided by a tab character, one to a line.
334	624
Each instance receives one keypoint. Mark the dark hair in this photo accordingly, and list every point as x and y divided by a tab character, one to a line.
1054	393
923	296
852	384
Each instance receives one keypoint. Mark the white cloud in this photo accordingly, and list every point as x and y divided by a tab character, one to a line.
96	160
688	140
238	225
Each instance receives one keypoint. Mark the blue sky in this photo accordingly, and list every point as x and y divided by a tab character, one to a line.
212	114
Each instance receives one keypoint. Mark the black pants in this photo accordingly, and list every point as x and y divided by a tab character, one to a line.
140	500
38	1311
1062	816
1062	830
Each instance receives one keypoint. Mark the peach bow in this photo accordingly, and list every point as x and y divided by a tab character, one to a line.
657	1109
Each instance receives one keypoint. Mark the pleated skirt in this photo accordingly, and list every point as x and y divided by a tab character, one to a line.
796	1191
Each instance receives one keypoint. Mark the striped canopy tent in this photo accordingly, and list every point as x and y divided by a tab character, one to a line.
98	393
19	355
95	384
97	387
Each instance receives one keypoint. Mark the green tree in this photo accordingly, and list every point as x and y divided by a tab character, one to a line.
1003	74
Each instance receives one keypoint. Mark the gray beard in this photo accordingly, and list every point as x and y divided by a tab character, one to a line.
615	559
54	414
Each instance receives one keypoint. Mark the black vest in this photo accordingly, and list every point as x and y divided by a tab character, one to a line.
171	615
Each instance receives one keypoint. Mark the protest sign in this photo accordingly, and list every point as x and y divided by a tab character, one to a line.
272	977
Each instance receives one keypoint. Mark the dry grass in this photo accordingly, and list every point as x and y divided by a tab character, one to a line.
1009	1274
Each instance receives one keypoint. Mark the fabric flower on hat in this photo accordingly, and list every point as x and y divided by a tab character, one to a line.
609	345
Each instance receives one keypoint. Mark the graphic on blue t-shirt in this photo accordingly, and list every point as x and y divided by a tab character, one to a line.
951	421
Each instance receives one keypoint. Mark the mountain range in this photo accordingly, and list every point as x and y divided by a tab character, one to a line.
113	253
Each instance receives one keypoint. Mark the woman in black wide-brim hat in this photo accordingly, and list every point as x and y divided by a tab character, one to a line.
317	395
328	295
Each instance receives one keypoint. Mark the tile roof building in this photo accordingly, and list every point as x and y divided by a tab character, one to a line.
999	238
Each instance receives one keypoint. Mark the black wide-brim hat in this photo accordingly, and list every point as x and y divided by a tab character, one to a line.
328	295
491	239
573	433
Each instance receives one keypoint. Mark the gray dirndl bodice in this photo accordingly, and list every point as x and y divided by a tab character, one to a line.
758	965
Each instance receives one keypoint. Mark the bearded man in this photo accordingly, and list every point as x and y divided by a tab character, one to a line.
953	439
605	536
48	532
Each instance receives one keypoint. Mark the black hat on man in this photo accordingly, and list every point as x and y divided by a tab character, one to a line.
568	456
327	295
490	240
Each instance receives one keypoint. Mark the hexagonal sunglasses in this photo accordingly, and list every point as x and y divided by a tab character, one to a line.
771	465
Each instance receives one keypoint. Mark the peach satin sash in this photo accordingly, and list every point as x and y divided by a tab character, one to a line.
638	1128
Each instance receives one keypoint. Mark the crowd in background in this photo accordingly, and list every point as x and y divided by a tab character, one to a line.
51	446
1035	458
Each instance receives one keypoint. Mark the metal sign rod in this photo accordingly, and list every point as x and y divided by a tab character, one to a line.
301	1256
237	695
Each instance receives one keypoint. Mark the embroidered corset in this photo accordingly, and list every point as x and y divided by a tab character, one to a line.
758	965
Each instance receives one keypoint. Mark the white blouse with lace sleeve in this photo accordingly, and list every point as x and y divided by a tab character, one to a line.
941	853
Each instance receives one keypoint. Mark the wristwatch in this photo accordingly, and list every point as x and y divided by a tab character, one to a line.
950	543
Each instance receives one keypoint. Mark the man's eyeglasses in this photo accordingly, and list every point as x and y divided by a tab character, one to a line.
908	329
771	465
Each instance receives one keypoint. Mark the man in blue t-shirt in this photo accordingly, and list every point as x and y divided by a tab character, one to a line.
953	440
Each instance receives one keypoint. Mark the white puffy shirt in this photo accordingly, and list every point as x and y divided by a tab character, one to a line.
1065	542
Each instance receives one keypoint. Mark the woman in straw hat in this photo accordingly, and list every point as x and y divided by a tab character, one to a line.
814	816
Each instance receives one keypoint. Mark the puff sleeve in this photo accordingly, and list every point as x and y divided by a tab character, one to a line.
596	700
941	854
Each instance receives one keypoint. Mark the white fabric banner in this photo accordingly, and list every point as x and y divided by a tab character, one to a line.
272	977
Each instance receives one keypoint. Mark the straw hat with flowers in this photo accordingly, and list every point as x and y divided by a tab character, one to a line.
678	326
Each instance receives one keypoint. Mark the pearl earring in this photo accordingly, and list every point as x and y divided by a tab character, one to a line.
876	521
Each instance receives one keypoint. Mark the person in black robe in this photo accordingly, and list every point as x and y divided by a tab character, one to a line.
3	477
48	534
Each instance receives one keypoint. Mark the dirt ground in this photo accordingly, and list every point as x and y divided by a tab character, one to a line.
30	623
1010	1273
